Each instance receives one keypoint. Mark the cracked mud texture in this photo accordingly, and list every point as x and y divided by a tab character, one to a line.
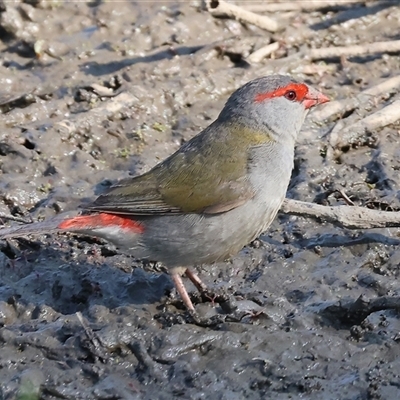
94	92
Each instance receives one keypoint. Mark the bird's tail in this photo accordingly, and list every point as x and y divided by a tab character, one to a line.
97	224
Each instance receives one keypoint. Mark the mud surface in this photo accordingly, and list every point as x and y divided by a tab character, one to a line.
93	92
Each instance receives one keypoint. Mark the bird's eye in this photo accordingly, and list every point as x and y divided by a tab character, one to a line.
291	95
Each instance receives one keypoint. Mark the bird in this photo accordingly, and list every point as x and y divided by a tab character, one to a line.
217	193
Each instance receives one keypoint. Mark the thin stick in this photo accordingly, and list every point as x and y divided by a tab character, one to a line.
354	133
221	7
344	216
16	219
299	5
265	51
357	50
95	345
315	69
340	106
346	198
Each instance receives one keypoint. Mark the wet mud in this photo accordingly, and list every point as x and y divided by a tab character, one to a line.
95	92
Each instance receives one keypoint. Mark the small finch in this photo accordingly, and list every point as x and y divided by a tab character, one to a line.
210	198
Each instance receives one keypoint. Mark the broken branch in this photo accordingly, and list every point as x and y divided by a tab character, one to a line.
221	7
265	51
357	50
344	216
299	5
354	133
340	106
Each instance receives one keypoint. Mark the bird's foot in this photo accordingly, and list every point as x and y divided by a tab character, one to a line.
234	316
229	310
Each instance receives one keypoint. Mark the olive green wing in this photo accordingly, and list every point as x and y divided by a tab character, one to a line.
136	196
204	176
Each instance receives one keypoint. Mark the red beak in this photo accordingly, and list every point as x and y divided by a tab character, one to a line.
313	98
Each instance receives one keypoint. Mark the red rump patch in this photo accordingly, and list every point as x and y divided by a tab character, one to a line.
101	220
300	89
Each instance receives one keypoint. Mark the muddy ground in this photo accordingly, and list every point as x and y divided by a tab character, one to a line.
93	92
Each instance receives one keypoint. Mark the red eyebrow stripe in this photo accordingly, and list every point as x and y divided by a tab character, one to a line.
300	88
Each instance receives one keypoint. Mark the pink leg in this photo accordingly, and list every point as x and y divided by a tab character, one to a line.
201	287
176	278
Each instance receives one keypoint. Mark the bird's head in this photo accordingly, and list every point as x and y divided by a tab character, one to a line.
276	103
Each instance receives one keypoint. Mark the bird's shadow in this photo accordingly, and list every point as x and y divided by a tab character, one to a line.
43	272
336	240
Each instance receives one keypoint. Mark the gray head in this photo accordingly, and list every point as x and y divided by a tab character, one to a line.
277	103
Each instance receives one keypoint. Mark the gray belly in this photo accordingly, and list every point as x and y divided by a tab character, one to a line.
197	239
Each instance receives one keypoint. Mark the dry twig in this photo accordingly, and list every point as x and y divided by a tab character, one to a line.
299	5
356	50
315	69
221	7
293	62
340	106
344	216
94	344
265	51
13	218
353	134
